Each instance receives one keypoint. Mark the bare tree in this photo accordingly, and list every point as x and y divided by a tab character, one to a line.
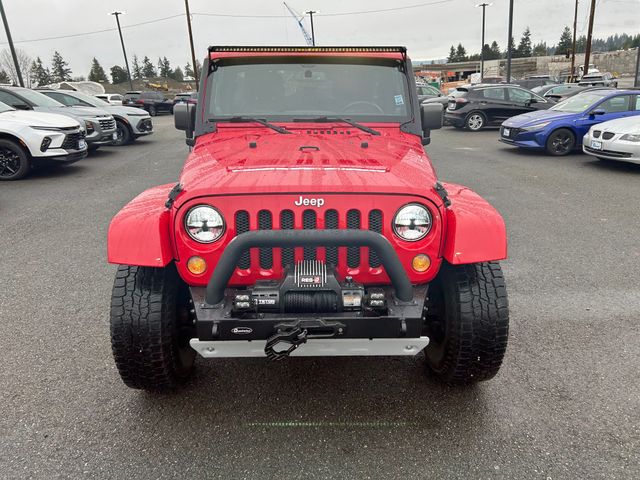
24	61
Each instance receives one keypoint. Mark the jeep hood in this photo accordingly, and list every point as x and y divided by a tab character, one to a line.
237	160
537	116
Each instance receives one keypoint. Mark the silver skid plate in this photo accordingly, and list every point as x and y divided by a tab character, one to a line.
315	347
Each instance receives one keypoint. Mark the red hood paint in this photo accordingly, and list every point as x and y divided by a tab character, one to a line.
314	158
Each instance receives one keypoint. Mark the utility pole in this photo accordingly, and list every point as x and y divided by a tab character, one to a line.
193	52
484	7
124	51
587	53
11	47
636	83
313	35
509	41
573	48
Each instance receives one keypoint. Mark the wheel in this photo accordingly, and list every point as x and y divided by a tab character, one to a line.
152	111
151	328
560	142
475	121
467	322
15	162
124	134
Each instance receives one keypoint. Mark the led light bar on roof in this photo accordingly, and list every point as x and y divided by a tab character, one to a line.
309	49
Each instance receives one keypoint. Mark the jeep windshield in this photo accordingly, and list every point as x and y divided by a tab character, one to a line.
299	89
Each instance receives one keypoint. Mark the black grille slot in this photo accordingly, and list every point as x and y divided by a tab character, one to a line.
353	253
331	223
265	222
242	226
71	141
375	225
309	223
286	223
596	134
608	135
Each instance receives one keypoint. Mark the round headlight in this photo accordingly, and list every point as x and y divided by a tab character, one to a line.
204	224
412	222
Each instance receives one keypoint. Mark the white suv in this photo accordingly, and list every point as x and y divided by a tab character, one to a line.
30	138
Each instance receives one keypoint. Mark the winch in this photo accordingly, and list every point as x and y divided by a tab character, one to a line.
309	287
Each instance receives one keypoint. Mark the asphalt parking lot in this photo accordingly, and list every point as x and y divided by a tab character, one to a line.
564	406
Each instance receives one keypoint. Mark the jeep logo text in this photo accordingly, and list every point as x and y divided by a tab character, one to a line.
314	202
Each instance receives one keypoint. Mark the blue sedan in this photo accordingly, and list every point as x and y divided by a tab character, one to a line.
560	129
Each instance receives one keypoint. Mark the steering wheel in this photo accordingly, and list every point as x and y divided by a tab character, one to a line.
362	102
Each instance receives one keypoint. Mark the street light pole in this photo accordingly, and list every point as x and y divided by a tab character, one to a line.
313	34
484	7
509	41
587	52
124	51
193	52
11	47
636	82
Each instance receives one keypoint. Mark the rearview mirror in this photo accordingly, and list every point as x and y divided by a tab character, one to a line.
184	118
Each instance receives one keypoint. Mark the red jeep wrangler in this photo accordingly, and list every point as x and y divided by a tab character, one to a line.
307	221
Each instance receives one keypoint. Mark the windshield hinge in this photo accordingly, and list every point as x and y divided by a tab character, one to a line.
442	193
173	194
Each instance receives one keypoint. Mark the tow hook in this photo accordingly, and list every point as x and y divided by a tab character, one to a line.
282	344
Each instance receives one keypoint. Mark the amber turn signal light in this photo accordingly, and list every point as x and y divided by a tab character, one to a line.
421	263
197	265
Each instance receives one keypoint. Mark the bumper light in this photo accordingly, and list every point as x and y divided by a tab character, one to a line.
46	141
421	263
197	265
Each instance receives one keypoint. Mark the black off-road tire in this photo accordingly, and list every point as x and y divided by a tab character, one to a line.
151	328
467	322
16	161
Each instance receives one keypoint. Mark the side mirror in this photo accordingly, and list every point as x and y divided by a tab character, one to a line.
598	111
21	106
184	118
431	115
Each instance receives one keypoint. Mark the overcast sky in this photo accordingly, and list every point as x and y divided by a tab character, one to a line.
427	30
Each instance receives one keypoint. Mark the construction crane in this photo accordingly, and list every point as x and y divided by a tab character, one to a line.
299	18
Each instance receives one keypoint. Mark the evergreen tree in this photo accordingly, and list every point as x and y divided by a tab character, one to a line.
137	70
524	48
164	67
565	43
188	71
539	49
118	74
39	74
148	70
60	71
4	78
495	50
96	74
452	55
177	75
461	53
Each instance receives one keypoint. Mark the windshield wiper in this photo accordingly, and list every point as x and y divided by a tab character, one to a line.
339	119
254	120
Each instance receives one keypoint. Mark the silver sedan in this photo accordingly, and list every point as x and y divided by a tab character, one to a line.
614	140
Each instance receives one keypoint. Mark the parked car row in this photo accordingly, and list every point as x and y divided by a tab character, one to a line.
73	124
602	122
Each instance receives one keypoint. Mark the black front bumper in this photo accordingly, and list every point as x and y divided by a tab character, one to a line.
71	157
401	319
219	318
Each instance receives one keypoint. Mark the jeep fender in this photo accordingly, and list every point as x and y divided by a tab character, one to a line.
140	233
475	231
